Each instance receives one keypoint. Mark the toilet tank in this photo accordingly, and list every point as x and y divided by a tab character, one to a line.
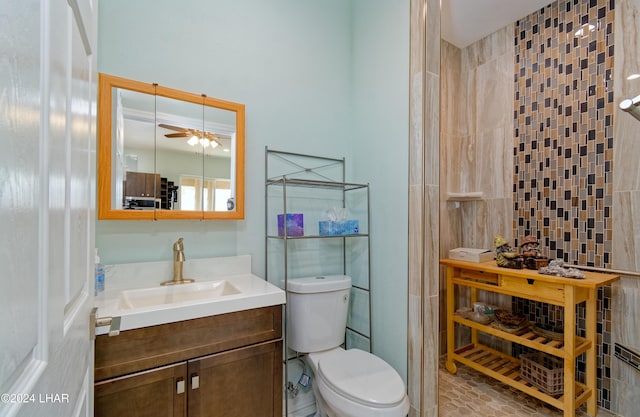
317	312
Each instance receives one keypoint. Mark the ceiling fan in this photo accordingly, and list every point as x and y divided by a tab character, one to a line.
195	136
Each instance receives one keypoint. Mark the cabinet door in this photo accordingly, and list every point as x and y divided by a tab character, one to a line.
239	383
135	184
154	184
142	184
155	393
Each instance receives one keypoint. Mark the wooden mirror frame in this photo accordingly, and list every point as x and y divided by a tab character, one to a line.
105	210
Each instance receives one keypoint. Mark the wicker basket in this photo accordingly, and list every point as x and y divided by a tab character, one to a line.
544	371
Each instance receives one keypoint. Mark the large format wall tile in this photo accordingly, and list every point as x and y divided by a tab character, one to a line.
626	232
482	220
494	167
493	96
494	45
452	114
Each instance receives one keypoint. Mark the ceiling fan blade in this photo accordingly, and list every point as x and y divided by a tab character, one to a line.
178	135
170	127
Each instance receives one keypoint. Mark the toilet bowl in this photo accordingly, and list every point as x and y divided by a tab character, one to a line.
355	383
347	383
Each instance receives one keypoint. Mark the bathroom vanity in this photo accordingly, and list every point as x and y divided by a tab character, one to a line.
528	284
208	348
229	364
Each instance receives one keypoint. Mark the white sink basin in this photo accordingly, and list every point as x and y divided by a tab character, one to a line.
145	306
177	294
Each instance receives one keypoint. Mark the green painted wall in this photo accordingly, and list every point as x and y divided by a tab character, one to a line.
327	78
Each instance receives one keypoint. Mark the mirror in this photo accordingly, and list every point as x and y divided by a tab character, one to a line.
168	154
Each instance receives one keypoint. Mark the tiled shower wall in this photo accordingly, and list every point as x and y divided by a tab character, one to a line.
563	150
559	151
625	380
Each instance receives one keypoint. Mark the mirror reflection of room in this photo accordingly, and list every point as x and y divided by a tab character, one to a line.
168	153
167	147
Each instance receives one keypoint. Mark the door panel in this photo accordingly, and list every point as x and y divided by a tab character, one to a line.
48	130
20	189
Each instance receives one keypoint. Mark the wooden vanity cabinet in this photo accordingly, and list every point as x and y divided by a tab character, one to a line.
142	184
226	365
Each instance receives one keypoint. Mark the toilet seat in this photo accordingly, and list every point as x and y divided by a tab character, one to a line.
362	377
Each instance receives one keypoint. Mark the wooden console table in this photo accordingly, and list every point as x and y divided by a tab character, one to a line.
529	284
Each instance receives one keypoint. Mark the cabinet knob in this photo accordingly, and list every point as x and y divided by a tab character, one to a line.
195	381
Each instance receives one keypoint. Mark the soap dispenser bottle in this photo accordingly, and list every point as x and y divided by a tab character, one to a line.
99	277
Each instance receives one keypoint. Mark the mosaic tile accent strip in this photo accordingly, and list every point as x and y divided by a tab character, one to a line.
627	356
563	150
563	130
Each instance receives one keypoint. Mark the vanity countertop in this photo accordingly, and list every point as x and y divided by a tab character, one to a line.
222	285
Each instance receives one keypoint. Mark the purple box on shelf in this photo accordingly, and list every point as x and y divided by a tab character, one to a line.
295	224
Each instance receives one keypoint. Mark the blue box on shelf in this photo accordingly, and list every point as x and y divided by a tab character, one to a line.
349	227
295	224
337	228
328	228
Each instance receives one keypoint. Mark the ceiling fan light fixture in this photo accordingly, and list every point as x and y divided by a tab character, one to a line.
193	140
204	142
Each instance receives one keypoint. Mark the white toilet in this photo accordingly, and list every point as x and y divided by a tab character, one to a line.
347	383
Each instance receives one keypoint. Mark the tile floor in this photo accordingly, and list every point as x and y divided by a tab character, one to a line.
472	394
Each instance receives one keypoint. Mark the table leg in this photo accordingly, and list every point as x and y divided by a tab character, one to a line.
474	331
569	351
591	377
450	365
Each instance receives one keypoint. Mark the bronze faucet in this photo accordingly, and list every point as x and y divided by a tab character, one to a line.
178	261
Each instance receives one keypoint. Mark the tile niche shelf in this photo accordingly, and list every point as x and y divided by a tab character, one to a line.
465	196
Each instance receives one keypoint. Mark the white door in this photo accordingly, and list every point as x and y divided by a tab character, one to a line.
47	176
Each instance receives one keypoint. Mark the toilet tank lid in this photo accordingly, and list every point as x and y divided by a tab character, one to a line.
322	283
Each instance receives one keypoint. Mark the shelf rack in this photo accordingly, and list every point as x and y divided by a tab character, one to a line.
565	292
288	171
